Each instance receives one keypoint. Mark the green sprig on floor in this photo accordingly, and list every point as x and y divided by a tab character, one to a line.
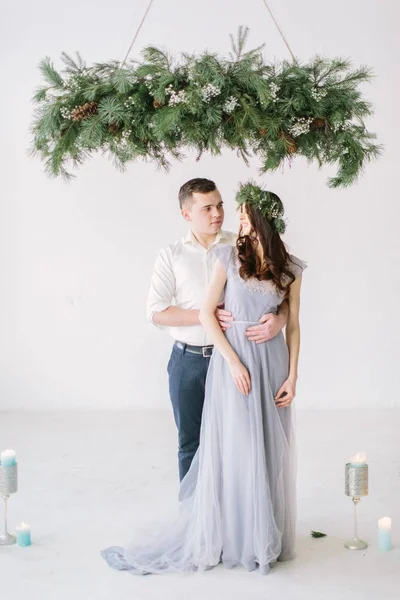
317	534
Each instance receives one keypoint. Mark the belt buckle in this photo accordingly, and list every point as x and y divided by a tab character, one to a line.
206	349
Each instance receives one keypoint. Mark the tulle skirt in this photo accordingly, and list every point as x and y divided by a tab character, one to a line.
238	499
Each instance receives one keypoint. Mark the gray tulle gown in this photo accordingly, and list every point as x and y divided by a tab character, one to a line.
238	500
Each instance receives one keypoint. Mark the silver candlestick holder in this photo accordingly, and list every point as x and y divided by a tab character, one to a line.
356	486
8	486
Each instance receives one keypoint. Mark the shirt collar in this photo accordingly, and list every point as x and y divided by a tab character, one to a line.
220	237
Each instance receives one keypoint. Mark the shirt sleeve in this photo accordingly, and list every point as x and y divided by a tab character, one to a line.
162	286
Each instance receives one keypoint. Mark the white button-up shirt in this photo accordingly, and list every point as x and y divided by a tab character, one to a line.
181	276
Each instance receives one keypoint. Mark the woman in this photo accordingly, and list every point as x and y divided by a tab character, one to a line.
238	500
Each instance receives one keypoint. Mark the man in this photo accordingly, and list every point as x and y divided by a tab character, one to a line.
179	282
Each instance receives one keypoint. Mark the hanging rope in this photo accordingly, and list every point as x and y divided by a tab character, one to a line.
279	29
137	32
148	10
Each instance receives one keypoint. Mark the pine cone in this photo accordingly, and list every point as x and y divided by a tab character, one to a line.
263	131
290	144
113	128
86	110
318	123
157	104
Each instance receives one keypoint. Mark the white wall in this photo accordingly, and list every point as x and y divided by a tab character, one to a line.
76	259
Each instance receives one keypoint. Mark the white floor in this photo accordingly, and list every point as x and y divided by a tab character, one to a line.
90	480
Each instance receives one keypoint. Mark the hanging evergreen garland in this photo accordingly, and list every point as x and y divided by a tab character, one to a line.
159	107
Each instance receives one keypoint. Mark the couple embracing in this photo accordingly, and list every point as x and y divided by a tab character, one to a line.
232	380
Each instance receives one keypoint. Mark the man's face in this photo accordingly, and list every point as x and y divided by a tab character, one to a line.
205	213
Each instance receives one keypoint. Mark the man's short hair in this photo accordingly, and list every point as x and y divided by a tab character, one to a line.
199	185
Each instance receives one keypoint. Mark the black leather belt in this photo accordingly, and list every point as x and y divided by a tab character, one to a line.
205	351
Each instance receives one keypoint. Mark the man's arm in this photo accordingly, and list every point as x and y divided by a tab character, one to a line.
270	325
160	309
173	316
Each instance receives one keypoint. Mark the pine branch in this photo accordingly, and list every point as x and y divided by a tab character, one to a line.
50	74
40	95
325	69
111	111
239	43
157	57
121	80
72	65
360	76
105	69
91	133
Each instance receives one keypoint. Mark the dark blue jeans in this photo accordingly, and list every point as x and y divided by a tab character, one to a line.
187	378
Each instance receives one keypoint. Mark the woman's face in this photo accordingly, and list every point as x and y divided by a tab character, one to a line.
245	225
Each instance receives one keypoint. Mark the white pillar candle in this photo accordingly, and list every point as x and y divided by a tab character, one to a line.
7	458
385	534
385	523
359	460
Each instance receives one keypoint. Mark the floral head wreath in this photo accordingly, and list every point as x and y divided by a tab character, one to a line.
268	203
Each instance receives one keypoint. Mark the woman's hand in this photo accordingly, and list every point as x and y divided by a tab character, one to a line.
241	377
286	393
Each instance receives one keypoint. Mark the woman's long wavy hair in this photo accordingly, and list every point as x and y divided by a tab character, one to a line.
276	263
